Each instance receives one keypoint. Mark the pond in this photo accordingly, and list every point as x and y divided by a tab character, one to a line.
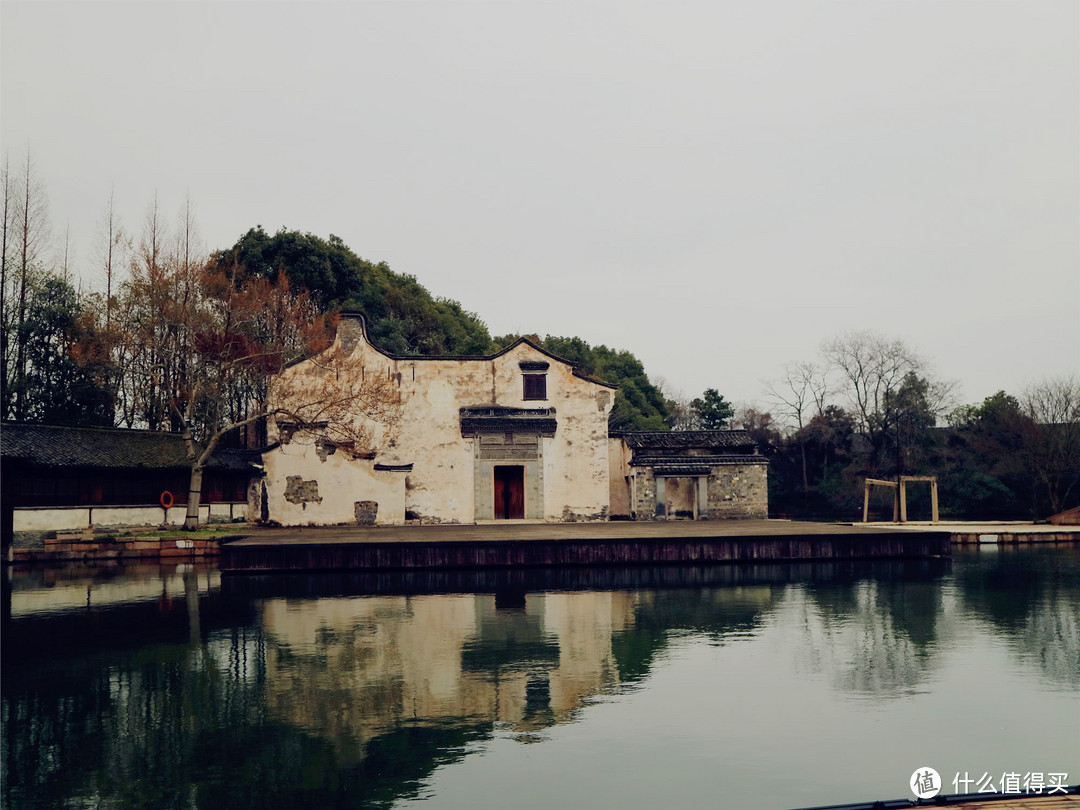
779	686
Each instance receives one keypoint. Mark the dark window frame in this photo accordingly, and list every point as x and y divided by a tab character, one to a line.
534	387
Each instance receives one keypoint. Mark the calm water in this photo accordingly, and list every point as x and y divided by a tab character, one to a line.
722	687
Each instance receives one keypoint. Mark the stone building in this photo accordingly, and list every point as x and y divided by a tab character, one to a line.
687	475
517	435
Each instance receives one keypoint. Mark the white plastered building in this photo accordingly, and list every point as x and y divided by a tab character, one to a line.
517	435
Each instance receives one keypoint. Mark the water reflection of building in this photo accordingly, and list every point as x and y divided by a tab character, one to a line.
246	700
355	668
81	588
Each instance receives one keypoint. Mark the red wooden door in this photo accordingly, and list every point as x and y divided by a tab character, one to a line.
509	493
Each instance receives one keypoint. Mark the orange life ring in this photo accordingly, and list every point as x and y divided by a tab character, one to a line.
166	499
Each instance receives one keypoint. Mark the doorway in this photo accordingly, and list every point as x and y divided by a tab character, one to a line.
682	495
509	492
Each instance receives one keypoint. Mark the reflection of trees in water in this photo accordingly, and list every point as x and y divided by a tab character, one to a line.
120	725
713	612
355	702
1052	637
906	595
868	637
880	636
330	702
1031	596
164	725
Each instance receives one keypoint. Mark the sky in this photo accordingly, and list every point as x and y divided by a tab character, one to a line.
718	187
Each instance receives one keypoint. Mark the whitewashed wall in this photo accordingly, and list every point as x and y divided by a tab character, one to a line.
442	485
327	487
74	518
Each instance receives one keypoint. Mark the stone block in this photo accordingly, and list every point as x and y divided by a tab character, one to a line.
366	512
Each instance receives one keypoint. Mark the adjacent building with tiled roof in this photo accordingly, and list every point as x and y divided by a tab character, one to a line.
63	478
691	474
64	447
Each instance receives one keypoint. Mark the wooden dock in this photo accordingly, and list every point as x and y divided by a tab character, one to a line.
999	532
1057	802
967	801
516	544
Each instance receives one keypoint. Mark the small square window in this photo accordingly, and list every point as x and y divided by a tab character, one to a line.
535	386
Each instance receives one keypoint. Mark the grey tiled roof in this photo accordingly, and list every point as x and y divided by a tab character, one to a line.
661	463
686	439
492	419
106	448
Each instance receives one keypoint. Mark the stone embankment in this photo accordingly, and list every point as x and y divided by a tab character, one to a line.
130	545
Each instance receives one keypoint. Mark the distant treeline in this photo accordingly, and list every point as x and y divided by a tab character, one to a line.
869	407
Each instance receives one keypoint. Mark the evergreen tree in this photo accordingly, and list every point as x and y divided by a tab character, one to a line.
402	316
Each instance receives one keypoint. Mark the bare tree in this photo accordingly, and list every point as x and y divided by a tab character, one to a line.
5	277
889	388
1051	440
208	342
113	245
681	416
151	298
189	250
245	333
102	347
801	394
31	231
65	256
872	368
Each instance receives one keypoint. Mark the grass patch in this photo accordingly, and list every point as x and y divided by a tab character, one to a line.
210	532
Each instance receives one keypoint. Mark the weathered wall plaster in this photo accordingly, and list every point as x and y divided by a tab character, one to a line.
303	489
451	477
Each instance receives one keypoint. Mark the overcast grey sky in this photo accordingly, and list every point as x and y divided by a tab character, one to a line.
716	186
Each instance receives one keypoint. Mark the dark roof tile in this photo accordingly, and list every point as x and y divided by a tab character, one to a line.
685	439
106	448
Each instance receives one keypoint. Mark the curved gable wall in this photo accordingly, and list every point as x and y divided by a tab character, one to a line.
448	483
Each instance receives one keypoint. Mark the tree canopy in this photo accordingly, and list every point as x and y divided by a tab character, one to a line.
402	316
57	386
713	412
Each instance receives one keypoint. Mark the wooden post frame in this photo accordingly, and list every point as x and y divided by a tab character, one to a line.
901	496
878	482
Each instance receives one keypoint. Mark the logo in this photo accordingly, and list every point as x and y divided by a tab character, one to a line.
925	783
